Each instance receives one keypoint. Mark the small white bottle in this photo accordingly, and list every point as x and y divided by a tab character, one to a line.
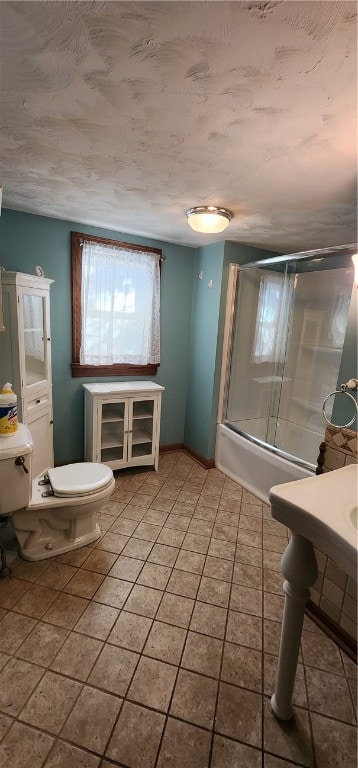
8	411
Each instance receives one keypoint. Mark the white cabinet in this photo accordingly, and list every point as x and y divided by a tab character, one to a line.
25	357
122	423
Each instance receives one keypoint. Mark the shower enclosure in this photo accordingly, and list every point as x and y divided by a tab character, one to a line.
285	332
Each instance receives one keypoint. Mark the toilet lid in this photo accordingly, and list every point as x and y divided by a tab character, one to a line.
79	479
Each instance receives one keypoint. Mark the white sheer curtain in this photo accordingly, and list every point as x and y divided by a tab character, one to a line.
272	319
120	301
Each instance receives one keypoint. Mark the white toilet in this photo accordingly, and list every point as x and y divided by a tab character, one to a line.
55	512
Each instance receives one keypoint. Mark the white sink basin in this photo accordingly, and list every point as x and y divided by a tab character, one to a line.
323	509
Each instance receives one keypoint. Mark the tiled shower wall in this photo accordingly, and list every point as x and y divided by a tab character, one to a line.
334	592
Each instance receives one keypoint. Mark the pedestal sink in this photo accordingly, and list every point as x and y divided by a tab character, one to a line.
320	511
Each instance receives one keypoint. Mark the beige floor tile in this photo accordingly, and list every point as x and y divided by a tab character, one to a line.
242	666
143	600
320	652
171	537
270	761
56	576
247	575
65	610
273	606
113	669
209	620
5	723
193	542
153	575
136	737
183	583
329	695
224	549
249	538
77	656
14	628
194	698
51	702
163	555
113	542
271	560
190	561
4	657
291	739
273	582
270	674
29	571
43	643
24	747
249	523
100	561
335	743
138	548
175	609
35	601
177	522
113	592
133	512
184	745
12	590
153	683
246	600
130	631
239	714
231	754
147	531
165	642
244	629
202	654
92	719
127	568
214	591
350	667
124	526
162	505
76	557
66	756
17	681
224	532
97	620
84	584
217	568
201	527
274	543
155	516
248	555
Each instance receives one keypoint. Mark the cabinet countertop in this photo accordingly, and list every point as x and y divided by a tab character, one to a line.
123	387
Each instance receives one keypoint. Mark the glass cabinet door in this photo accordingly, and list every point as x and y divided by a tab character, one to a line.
141	429
35	341
113	432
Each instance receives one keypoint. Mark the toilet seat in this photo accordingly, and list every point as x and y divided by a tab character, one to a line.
81	479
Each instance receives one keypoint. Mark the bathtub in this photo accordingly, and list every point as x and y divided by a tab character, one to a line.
253	466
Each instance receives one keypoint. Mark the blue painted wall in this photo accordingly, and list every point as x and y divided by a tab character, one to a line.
28	240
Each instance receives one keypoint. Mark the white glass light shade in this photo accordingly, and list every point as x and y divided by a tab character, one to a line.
208	219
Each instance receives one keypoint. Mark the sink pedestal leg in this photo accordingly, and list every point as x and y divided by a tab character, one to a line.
299	568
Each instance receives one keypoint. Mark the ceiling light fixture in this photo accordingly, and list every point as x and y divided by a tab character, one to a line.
208	218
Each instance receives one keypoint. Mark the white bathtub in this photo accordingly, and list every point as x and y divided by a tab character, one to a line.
252	466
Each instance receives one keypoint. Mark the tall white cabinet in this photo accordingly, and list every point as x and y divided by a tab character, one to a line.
122	423
25	357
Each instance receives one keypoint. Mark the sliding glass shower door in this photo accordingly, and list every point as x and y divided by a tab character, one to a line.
288	328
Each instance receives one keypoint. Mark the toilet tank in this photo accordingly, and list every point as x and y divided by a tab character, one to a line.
15	482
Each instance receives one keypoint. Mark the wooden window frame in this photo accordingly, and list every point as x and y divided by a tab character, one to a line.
117	369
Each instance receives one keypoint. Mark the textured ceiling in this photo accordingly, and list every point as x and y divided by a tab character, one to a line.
124	114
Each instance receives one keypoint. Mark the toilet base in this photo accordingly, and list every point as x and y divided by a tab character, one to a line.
59	547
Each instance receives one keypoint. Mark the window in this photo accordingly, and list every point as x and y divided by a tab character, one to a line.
272	319
115	307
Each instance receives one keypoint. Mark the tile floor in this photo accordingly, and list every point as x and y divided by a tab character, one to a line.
157	646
